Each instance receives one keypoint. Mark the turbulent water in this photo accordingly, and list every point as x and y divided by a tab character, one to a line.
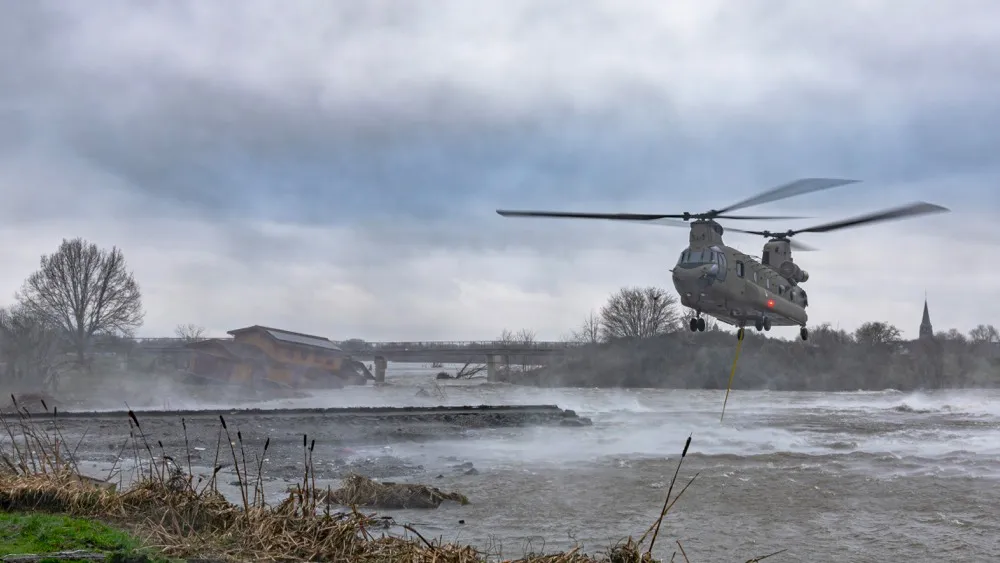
865	476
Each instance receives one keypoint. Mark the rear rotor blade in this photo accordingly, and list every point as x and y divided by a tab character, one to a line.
798	187
895	213
796	245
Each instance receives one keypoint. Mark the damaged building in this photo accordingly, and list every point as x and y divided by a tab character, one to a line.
261	356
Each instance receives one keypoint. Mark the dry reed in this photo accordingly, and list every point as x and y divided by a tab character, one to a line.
182	517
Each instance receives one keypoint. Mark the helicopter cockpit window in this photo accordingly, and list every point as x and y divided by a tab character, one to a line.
697	257
739	269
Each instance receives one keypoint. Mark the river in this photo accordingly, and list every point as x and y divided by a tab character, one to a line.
864	476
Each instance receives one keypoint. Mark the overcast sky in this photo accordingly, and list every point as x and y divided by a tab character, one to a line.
335	167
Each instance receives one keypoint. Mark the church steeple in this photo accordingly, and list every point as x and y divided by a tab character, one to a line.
926	330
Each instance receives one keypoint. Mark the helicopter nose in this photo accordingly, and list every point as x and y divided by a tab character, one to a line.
692	277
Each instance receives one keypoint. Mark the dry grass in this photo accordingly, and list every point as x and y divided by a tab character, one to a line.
182	517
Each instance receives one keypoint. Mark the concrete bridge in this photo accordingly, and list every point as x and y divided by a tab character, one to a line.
454	351
489	352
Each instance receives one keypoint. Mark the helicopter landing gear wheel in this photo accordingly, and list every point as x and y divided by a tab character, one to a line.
759	325
767	323
739	334
693	324
701	324
804	333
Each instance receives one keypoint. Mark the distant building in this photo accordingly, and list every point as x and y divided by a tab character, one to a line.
264	355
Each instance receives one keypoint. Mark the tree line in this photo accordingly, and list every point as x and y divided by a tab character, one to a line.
82	295
640	338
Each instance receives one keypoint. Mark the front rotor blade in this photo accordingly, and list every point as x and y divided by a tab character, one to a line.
801	247
633	217
798	187
909	210
757	217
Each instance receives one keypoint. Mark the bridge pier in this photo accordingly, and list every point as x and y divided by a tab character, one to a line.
380	365
491	368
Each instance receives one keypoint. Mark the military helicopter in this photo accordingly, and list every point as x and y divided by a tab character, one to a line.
718	280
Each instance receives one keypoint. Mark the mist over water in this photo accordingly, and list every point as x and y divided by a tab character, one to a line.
868	476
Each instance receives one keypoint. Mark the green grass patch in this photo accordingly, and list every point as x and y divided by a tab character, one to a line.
50	533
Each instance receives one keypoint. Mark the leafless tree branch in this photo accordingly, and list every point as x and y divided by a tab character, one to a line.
469	370
877	333
526	336
190	332
84	291
589	331
638	313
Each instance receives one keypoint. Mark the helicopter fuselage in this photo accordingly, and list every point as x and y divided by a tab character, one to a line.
737	289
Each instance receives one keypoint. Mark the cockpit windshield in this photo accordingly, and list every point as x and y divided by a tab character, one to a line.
693	258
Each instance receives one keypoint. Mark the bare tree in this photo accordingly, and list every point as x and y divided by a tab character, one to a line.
525	336
29	349
875	333
589	331
84	290
507	337
190	332
984	334
953	335
826	335
638	313
522	338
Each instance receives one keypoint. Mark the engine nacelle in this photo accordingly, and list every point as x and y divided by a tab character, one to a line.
792	272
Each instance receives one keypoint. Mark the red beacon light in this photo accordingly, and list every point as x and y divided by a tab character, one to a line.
770	303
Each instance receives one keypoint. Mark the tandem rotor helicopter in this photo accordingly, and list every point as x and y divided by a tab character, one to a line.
718	280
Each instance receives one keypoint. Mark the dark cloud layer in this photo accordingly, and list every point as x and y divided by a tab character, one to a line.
403	125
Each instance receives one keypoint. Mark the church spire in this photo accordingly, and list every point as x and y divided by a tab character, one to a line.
926	330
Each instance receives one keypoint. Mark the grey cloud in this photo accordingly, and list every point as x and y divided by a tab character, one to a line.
410	124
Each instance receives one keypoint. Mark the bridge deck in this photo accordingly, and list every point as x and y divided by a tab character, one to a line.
412	351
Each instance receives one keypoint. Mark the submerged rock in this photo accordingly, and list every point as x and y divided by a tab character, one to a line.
362	491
